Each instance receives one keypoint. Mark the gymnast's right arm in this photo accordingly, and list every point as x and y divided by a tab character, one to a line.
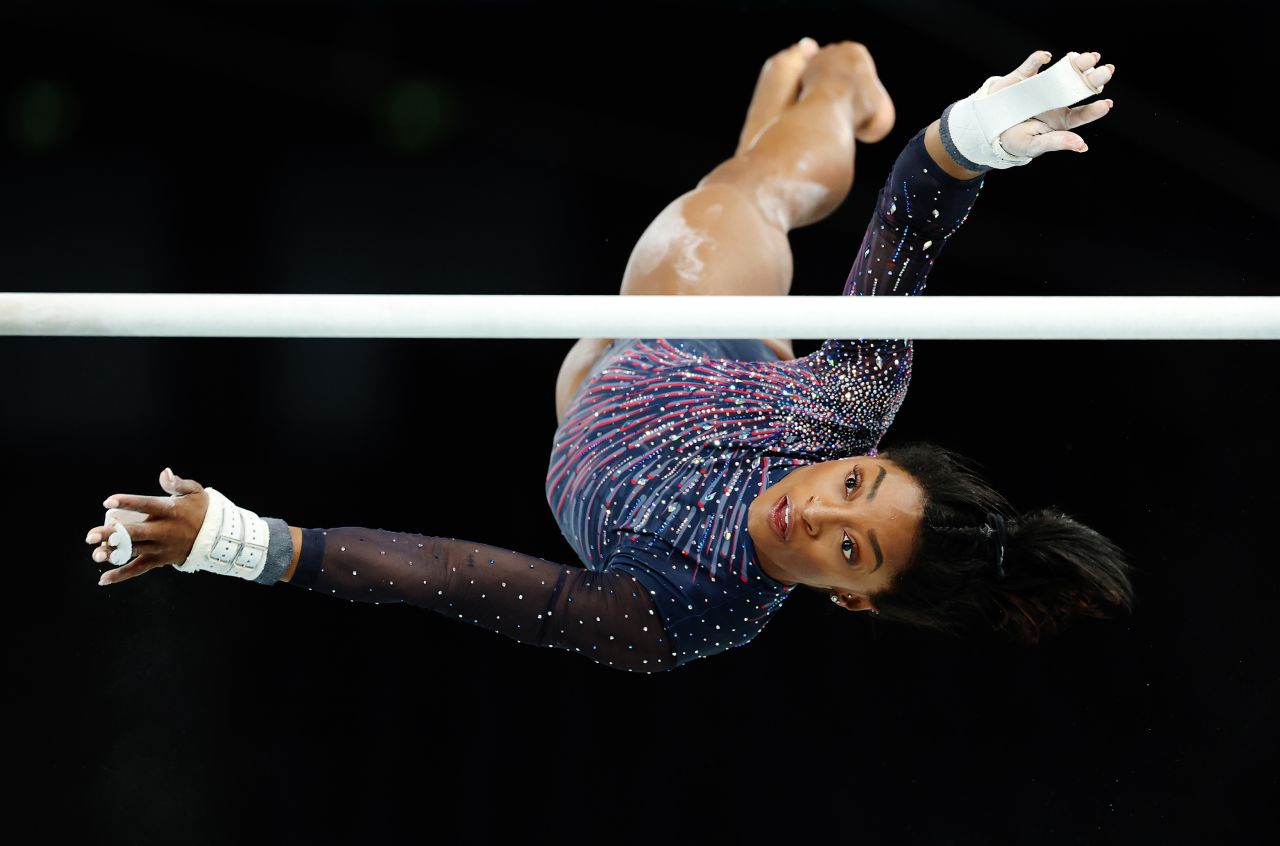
607	616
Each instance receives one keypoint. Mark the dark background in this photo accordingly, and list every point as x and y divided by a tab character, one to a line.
502	147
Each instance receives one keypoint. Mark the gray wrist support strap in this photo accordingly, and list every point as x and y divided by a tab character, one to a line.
279	551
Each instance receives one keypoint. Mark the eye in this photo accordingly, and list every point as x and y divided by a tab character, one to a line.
851	484
853	481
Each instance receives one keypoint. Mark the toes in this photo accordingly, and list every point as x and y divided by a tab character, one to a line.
776	89
796	56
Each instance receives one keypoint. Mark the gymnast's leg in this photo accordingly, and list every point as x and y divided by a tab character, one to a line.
793	167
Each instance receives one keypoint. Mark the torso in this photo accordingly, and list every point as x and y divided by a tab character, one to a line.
577	364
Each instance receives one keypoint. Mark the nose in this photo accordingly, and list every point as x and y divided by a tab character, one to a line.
817	515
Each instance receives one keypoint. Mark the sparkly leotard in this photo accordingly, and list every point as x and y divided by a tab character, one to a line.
659	456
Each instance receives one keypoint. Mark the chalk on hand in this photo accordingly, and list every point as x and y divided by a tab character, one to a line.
120	539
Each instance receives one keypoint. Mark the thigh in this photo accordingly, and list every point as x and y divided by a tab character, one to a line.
575	367
720	239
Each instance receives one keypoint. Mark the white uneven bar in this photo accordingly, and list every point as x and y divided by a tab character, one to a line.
613	316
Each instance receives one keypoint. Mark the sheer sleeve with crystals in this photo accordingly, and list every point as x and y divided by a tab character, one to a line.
607	616
849	390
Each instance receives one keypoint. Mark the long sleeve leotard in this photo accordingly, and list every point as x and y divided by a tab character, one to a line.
653	468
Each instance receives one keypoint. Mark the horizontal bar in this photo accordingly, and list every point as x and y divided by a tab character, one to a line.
613	316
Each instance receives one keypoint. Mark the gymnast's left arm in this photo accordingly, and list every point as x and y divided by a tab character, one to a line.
857	385
939	173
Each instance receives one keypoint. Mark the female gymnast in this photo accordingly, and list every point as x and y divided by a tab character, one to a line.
702	481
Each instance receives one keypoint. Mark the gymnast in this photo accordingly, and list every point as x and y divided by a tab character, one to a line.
702	481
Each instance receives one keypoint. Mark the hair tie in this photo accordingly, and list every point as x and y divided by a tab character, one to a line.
1001	537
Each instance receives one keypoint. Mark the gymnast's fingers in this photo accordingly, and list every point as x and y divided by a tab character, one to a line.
1049	142
175	484
1100	76
1084	61
156	505
1029	68
134	568
105	549
1087	114
138	532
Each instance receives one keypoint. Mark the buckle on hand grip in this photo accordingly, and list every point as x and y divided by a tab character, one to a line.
232	541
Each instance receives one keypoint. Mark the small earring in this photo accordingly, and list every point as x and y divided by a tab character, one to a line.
835	598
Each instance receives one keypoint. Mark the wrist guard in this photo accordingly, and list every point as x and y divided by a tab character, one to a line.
232	541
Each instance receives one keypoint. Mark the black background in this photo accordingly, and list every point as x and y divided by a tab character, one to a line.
500	147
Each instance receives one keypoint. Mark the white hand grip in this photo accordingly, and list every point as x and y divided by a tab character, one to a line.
976	122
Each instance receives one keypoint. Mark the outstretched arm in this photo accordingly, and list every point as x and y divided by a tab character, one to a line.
607	616
843	396
918	208
850	389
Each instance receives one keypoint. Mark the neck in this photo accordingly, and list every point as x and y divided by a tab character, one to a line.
771	570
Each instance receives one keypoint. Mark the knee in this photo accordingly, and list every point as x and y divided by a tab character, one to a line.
737	199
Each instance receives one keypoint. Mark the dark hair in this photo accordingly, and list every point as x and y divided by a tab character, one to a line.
1056	569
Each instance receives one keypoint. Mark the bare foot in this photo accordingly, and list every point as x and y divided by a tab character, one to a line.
846	67
874	109
776	89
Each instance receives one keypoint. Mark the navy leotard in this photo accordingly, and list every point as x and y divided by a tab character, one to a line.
660	453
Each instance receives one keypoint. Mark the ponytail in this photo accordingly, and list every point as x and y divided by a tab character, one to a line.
1055	569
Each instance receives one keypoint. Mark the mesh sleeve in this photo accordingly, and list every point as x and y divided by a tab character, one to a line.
851	388
607	616
918	209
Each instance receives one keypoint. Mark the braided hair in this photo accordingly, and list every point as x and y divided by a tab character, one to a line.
975	564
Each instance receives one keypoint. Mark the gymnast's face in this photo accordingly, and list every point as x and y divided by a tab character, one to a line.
851	527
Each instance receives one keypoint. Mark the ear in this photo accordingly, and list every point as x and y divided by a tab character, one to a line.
852	602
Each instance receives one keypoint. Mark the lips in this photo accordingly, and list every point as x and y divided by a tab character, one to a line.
780	517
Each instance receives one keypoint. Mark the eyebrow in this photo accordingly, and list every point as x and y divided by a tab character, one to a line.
876	485
871	533
875	545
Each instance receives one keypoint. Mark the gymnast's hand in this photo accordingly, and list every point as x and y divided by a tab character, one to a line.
165	530
1051	130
